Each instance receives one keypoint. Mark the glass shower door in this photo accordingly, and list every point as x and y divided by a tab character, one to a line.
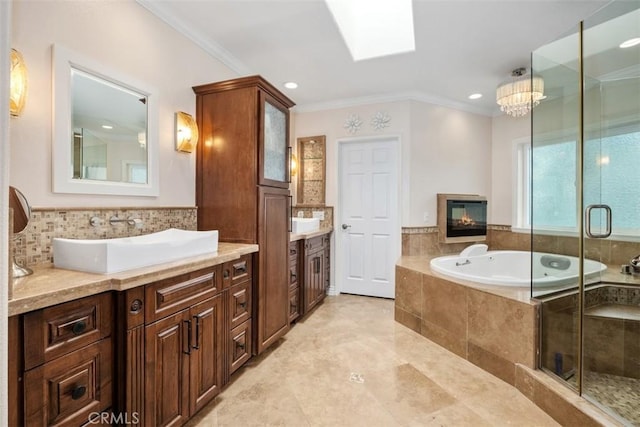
585	203
611	123
555	205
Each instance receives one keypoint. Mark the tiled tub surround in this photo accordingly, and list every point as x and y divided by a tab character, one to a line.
424	241
35	245
494	328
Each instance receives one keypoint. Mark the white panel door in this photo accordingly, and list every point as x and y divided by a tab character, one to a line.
369	231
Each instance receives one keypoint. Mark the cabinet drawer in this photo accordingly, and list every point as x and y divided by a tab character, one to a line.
294	304
66	391
169	296
58	330
293	249
293	275
234	272
239	304
313	244
240	348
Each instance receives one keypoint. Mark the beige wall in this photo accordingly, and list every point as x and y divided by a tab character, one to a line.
331	124
505	131
443	150
450	152
122	36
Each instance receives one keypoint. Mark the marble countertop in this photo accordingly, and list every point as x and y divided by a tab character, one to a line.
48	286
311	234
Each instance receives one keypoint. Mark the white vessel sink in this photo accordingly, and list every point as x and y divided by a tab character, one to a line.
126	253
305	225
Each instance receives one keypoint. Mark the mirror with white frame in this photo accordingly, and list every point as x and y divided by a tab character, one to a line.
105	130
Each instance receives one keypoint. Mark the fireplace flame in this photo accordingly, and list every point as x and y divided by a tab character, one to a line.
466	220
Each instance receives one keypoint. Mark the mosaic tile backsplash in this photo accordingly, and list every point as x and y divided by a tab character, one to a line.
34	246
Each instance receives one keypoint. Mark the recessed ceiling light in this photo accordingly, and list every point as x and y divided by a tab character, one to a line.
630	43
475	96
291	85
107	127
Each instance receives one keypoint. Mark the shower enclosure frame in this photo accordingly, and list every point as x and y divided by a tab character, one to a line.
568	307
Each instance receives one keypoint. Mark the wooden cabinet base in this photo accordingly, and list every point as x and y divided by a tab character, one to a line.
74	388
240	346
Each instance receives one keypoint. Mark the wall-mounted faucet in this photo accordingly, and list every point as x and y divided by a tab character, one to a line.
134	222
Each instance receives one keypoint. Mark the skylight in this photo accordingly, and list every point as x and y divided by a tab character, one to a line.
374	28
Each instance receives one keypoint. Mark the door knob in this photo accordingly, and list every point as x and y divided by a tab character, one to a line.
345	226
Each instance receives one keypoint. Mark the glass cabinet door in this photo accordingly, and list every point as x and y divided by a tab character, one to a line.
274	143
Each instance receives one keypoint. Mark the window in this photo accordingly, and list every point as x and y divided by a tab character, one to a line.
546	180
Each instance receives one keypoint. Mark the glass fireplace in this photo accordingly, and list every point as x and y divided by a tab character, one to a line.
462	218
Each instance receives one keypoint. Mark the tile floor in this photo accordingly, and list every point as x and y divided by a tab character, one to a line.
350	364
619	394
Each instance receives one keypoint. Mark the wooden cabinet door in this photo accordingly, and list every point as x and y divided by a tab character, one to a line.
272	318
322	273
206	356
313	279
167	371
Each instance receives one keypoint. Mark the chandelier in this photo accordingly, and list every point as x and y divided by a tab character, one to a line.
518	96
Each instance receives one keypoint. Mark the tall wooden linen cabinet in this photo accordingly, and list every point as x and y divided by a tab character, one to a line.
242	186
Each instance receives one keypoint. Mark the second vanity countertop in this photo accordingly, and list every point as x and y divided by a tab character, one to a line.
302	236
49	286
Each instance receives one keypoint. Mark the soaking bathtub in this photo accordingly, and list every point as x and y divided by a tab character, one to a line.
513	268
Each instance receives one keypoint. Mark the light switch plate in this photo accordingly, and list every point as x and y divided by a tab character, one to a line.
319	214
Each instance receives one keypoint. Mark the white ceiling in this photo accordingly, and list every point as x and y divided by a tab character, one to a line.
462	47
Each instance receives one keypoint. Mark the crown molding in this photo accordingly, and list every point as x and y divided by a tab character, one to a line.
391	97
214	49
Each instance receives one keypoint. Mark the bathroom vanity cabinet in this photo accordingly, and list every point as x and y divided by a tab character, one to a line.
316	271
242	181
183	345
238	291
179	351
294	283
63	358
309	273
152	355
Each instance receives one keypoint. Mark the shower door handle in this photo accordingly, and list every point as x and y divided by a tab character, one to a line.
587	221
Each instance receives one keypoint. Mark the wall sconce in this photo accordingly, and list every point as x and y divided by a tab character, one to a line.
294	165
186	132
18	91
